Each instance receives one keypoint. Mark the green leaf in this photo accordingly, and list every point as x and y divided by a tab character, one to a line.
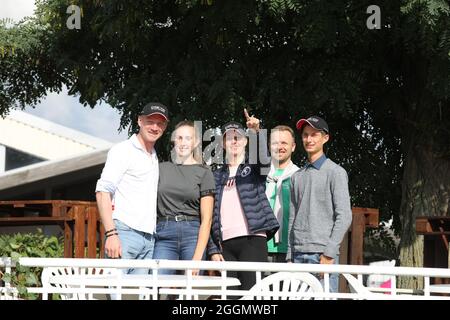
7	277
14	245
32	279
15	256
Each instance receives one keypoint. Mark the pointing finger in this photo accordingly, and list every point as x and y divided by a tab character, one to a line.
247	116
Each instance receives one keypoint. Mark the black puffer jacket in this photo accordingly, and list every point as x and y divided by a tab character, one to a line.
251	187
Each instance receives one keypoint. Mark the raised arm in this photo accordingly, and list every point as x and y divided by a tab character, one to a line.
258	152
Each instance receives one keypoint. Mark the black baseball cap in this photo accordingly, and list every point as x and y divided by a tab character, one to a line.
314	121
155	108
233	125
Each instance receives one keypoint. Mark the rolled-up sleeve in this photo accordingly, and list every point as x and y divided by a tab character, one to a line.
115	167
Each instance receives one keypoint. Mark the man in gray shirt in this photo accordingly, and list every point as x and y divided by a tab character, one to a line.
320	211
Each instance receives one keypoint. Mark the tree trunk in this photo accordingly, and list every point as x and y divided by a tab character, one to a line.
425	192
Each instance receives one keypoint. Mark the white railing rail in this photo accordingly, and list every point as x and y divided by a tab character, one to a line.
353	274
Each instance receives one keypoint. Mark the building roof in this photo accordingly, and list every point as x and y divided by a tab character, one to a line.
51	174
45	139
51	168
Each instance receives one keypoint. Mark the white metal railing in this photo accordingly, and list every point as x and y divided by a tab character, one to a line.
353	274
6	291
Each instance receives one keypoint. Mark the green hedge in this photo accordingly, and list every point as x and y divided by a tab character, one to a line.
28	245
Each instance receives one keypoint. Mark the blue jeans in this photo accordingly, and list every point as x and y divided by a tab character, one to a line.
135	245
175	240
314	257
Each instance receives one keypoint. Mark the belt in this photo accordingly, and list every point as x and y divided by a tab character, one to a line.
178	218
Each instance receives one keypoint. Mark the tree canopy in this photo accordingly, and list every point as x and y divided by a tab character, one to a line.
384	92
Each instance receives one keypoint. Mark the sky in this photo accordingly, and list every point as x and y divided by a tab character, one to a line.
102	121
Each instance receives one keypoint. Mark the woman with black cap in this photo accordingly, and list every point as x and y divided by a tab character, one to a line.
242	218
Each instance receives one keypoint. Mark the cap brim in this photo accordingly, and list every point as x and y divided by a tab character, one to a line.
302	122
241	131
161	114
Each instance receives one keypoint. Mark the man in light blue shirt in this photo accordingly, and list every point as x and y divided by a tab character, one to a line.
127	189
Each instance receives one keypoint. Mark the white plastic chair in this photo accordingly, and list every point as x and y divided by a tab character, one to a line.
49	272
375	280
273	286
357	287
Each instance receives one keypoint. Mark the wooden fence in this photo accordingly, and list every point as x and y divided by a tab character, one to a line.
84	234
79	220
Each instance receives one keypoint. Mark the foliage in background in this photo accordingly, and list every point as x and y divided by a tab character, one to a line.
380	244
26	70
385	92
28	245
